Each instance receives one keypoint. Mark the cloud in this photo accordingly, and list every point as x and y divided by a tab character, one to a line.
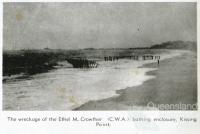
98	25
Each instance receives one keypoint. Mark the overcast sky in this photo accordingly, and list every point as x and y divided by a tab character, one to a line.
97	25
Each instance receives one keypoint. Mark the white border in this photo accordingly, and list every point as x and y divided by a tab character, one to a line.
63	128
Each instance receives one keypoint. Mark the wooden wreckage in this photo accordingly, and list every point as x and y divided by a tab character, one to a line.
82	63
78	62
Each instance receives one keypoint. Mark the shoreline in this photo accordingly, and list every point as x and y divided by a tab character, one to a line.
175	77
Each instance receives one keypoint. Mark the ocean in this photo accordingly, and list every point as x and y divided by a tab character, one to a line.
68	88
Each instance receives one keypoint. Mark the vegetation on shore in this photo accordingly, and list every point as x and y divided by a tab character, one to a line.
188	45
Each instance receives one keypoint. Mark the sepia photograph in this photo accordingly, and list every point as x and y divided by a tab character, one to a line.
99	56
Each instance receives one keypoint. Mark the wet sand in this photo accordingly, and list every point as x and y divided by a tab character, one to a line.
175	83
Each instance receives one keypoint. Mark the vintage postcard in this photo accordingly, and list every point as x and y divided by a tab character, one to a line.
101	57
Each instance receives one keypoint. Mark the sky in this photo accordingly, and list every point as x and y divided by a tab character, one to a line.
96	25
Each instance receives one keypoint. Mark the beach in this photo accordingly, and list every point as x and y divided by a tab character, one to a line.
123	84
175	82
